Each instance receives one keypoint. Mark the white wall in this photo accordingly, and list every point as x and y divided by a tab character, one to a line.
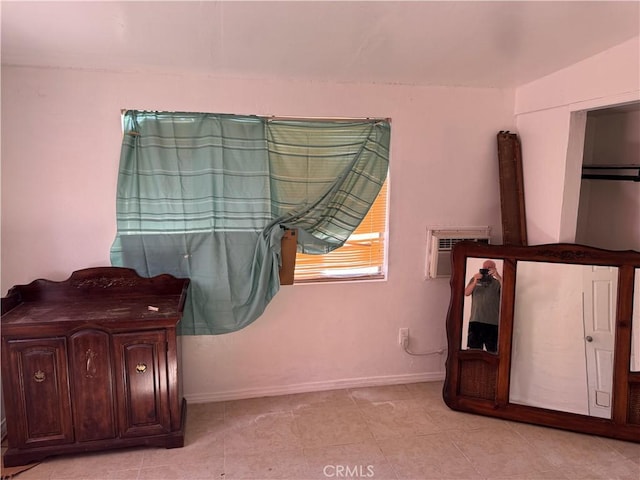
612	137
60	151
543	116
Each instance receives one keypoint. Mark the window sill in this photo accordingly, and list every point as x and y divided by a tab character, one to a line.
350	279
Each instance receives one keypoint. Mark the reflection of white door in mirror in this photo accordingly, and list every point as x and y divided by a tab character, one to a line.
635	326
549	339
599	294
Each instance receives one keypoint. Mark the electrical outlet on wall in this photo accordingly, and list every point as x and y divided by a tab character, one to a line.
403	337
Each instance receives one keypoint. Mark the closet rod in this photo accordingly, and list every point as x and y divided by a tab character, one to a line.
635	177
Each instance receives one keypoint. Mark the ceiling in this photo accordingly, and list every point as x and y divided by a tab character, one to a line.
478	44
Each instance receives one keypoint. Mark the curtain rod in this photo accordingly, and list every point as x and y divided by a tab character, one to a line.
328	119
279	117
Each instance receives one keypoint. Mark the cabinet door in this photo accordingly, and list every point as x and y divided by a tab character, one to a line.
93	396
38	393
141	383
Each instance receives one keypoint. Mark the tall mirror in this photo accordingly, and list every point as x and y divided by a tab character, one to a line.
482	304
635	328
563	337
567	353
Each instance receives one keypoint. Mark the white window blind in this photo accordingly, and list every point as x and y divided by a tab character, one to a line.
361	257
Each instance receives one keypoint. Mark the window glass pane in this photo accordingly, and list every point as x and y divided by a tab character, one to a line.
362	256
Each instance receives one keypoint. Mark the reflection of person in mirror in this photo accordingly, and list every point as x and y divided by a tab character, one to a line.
484	288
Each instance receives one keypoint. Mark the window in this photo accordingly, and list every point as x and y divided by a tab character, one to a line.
362	257
206	196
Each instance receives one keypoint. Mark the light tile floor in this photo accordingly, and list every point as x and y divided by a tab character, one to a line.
391	432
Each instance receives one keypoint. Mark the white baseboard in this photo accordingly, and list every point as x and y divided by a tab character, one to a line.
270	391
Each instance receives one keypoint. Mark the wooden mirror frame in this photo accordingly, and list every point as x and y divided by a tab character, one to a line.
478	382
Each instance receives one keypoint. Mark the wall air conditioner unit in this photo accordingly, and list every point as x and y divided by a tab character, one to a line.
440	242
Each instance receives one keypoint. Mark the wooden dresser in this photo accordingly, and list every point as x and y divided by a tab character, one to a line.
91	363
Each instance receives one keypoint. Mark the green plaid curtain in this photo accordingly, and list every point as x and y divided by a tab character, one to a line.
204	196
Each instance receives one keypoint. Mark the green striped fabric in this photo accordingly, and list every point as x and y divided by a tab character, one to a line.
192	173
325	176
204	196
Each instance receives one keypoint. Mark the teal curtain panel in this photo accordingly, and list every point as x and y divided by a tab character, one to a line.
206	196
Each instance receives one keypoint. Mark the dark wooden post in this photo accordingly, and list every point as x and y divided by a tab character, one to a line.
514	222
